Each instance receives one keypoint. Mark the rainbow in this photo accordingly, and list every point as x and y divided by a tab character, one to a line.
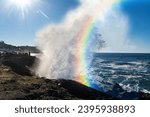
81	65
84	40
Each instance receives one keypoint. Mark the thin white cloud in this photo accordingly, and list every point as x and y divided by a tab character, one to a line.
43	14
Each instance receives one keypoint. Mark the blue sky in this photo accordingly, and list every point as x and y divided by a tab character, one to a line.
19	30
138	12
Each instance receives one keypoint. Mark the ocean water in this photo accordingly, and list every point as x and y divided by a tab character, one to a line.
130	71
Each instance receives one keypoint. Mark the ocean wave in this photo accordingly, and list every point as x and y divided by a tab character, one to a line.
132	73
145	91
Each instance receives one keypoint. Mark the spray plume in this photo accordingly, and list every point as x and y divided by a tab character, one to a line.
60	44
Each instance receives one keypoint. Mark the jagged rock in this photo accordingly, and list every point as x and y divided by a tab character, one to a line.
18	63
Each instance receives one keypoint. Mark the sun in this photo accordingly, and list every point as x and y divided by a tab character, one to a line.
25	7
21	5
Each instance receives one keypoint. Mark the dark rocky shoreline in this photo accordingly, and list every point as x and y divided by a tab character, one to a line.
18	83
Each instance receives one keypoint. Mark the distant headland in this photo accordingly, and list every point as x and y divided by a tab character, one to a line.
7	48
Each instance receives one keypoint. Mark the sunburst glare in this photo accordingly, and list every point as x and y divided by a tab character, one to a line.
21	3
23	6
